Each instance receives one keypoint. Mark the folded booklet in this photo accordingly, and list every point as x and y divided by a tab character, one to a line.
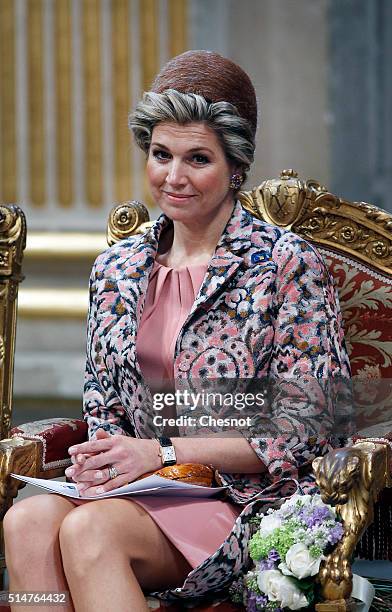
151	485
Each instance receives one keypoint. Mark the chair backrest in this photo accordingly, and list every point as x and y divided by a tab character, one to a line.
12	244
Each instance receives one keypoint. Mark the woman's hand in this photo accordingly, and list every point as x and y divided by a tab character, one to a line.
131	457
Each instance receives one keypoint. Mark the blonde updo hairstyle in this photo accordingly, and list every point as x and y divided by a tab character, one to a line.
202	86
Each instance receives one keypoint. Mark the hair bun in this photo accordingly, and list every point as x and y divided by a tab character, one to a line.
212	76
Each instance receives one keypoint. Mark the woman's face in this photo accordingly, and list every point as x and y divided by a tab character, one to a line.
188	172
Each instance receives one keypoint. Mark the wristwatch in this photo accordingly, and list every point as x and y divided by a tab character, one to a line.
167	452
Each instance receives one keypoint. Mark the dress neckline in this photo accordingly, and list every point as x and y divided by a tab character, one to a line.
185	268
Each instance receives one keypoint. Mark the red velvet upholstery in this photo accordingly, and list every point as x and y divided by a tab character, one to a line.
56	435
366	303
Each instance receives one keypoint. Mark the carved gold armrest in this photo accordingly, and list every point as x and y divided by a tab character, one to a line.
21	457
350	479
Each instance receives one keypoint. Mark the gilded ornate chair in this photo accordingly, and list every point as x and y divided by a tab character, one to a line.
356	242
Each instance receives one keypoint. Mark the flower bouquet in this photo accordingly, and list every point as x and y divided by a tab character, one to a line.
287	551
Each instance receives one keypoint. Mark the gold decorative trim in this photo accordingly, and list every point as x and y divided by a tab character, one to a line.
64	246
92	107
361	231
63	67
121	98
13	238
21	457
125	219
8	168
178	30
12	243
364	470
35	58
53	303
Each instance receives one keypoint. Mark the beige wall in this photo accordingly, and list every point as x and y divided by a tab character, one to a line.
282	44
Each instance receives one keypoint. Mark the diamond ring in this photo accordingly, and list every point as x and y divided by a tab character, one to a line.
112	472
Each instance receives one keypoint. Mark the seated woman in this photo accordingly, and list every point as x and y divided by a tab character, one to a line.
208	292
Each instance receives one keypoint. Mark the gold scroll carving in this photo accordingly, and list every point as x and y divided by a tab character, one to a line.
125	219
350	479
361	230
12	243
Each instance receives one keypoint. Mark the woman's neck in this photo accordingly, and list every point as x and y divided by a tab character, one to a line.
192	244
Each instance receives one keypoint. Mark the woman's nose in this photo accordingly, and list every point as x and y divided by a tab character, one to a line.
176	174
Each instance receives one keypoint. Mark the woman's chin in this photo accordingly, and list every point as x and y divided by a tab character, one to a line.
176	213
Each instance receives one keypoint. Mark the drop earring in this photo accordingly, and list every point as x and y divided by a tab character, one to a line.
235	181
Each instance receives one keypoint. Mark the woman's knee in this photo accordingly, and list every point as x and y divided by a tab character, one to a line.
92	532
82	538
29	515
29	525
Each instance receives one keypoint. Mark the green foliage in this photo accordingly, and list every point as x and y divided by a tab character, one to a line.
315	551
251	582
280	539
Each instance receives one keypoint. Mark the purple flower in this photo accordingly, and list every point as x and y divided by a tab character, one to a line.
264	565
336	533
315	517
255	602
273	555
270	562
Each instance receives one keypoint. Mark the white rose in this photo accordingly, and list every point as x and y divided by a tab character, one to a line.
291	502
300	563
280	588
268	524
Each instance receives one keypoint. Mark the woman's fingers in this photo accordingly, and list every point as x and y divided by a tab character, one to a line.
96	462
93	476
79	459
114	483
92	447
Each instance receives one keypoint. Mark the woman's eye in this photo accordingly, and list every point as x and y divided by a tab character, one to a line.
160	154
200	159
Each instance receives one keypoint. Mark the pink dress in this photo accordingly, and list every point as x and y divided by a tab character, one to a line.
195	527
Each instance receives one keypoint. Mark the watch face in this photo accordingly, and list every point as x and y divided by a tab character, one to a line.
168	453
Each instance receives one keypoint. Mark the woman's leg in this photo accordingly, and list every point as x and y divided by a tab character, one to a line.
31	529
111	550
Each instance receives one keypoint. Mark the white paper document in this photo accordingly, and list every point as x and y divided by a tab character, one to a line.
151	485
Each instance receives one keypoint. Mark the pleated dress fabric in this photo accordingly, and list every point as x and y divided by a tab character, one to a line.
196	527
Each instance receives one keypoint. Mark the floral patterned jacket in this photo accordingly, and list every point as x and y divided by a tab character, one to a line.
266	307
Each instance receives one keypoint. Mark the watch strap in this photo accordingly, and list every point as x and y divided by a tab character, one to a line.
165	441
167	451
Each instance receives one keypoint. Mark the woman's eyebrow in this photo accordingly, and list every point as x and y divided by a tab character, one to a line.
193	150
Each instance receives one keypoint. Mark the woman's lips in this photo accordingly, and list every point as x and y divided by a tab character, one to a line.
177	197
